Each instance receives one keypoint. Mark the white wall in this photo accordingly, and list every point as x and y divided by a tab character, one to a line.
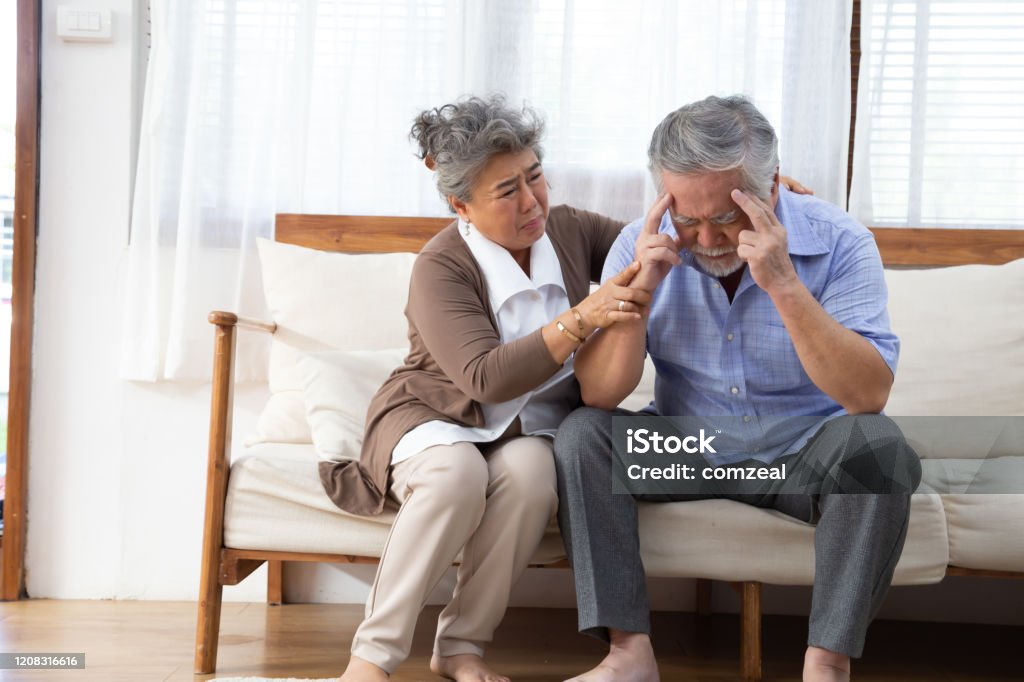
117	470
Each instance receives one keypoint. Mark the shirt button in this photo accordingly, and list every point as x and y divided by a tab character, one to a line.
717	285
746	417
728	336
734	390
534	295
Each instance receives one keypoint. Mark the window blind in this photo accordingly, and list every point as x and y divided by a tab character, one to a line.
943	94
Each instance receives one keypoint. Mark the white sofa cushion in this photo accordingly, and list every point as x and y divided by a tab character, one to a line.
283	420
324	301
986	531
727	540
275	502
961	331
337	389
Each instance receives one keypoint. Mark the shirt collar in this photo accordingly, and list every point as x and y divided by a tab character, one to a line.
504	277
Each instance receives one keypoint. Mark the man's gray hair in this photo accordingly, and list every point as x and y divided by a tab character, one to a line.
717	134
458	139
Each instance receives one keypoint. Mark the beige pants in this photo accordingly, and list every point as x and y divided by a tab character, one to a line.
493	507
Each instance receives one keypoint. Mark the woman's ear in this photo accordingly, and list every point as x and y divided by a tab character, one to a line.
460	207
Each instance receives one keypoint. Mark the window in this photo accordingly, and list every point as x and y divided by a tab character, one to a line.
940	135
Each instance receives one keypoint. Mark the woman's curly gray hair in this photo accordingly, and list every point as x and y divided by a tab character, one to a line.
458	139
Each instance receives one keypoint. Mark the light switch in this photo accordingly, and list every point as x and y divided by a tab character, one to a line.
75	23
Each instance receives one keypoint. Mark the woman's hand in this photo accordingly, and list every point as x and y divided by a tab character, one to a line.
615	301
794	185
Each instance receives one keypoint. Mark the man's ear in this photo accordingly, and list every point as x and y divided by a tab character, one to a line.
460	207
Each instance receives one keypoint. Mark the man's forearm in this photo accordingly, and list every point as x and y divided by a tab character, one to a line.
840	362
609	366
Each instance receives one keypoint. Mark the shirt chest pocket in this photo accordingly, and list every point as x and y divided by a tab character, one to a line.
777	367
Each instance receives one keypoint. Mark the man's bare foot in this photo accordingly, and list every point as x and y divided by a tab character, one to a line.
630	659
464	668
822	665
359	670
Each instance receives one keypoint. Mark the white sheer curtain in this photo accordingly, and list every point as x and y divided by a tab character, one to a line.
940	133
259	107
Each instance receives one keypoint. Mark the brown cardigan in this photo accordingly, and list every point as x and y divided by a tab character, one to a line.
456	359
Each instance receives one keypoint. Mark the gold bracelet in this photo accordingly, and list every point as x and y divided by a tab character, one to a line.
579	321
562	328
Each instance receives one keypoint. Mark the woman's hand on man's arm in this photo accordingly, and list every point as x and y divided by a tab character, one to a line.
614	302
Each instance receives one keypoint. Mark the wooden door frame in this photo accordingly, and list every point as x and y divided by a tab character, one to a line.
26	196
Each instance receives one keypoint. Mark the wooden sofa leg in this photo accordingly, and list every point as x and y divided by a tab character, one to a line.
750	632
275	582
208	625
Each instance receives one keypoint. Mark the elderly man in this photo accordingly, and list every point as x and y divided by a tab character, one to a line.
766	304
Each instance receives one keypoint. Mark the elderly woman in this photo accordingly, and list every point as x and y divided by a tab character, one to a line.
460	435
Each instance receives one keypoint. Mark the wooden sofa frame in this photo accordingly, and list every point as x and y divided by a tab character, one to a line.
361	234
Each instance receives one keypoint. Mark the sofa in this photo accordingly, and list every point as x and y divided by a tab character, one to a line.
962	335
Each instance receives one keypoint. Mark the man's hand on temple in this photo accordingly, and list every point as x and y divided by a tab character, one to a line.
765	248
657	252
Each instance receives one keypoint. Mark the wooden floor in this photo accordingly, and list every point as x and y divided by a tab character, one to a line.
144	641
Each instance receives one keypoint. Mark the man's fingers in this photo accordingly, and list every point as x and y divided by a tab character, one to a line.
651	241
761	217
653	221
745	251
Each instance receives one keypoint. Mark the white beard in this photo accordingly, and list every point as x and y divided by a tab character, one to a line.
717	267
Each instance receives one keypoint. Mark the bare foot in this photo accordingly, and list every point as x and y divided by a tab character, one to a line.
630	659
822	665
464	668
359	670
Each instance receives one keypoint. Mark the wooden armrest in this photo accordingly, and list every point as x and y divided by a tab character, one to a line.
226	319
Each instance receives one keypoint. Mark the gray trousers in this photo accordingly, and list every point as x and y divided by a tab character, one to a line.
857	541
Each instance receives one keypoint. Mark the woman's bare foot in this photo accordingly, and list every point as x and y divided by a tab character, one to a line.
630	659
464	668
359	670
822	665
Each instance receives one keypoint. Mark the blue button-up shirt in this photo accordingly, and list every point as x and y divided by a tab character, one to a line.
718	359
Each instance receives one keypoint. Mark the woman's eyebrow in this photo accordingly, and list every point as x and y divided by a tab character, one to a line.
510	182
